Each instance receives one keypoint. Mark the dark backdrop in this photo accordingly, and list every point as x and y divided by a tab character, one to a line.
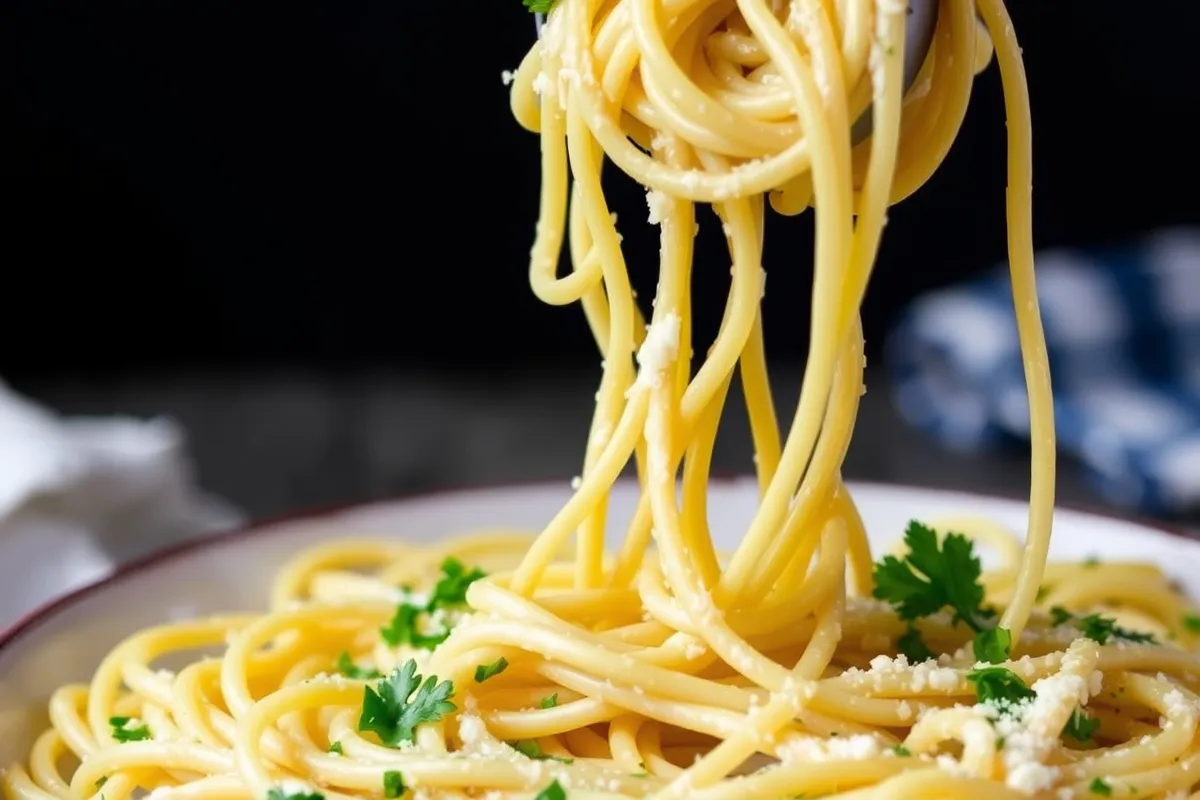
235	184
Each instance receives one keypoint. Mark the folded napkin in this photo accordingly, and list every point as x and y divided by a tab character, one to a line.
1123	330
80	495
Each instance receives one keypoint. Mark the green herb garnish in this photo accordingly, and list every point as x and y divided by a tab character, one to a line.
1080	727
336	749
276	793
1192	622
539	7
400	702
1100	787
554	791
451	590
347	667
932	577
999	686
449	593
393	784
550	701
913	647
405	628
129	729
993	645
1099	628
531	749
485	671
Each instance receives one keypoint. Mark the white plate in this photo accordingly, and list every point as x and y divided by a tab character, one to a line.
64	641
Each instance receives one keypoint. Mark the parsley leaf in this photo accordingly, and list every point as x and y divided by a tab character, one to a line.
999	686
913	646
550	701
932	577
336	749
485	671
101	781
451	590
129	729
1099	628
276	793
901	751
1100	787
1060	616
393	784
400	702
993	645
347	667
1192	622
404	628
539	7
1080	726
1091	561
554	791
531	749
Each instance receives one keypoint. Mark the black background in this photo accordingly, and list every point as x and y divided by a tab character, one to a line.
331	184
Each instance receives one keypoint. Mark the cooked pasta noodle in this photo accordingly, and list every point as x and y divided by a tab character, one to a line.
792	666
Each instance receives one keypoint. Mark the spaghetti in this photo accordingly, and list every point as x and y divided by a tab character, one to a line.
507	665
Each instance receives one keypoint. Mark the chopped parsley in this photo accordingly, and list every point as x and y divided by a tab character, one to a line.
347	667
531	749
554	791
1080	727
550	701
405	628
393	784
450	593
1099	628
913	646
539	7
485	671
101	781
1192	622
999	686
931	577
336	749
275	793
1100	787
129	729
400	702
901	751
451	590
993	645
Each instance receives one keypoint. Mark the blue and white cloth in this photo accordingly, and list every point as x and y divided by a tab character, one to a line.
1123	331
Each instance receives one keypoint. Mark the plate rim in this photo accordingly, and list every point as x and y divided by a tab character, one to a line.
278	524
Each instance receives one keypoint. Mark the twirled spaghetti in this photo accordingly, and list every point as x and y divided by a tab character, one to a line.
673	670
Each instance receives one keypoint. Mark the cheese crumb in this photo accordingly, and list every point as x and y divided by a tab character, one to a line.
659	350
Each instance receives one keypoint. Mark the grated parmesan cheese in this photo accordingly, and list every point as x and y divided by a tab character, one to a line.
659	205
659	350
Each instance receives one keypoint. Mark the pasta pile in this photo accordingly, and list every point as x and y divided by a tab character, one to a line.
541	666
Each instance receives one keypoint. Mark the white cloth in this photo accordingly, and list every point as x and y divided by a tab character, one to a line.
79	495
